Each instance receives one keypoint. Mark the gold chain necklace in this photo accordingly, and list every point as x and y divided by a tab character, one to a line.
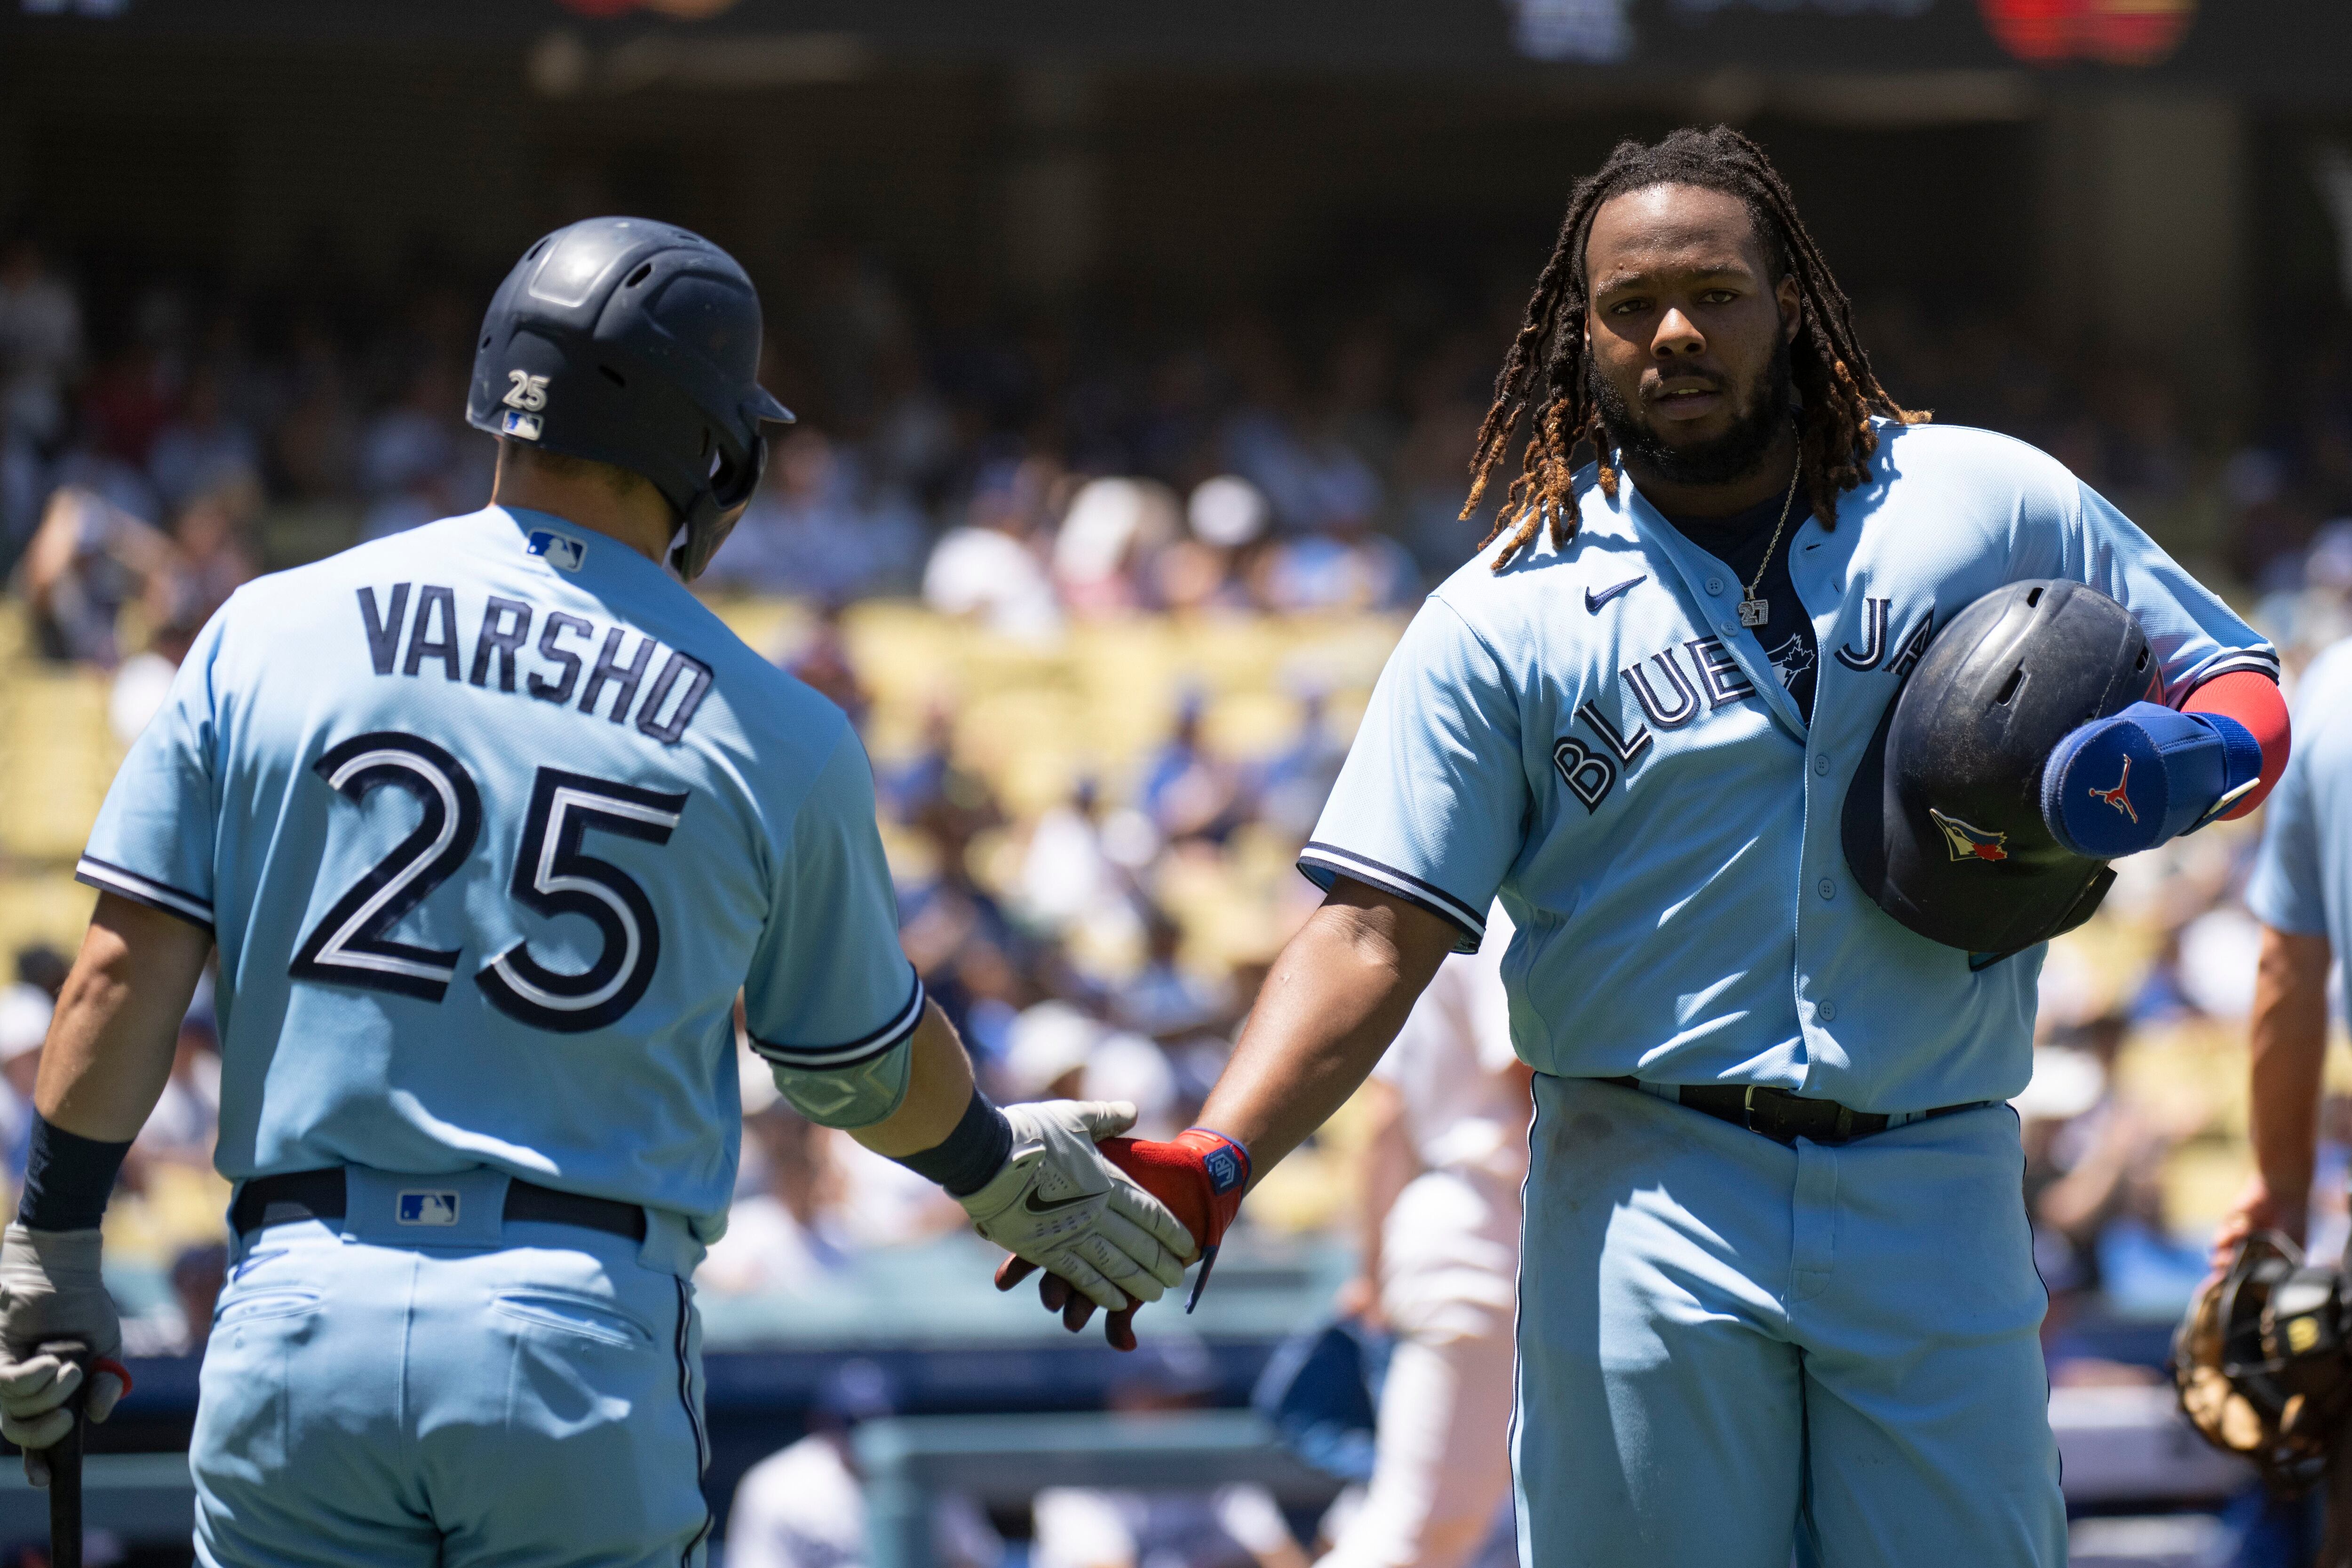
1755	611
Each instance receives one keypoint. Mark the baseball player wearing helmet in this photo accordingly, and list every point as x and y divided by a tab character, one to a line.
1776	1289
491	822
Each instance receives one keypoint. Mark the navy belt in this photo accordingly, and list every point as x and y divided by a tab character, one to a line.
319	1195
1784	1117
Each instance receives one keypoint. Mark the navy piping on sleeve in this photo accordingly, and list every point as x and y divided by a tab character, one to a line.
902	1024
146	890
2260	660
1405	886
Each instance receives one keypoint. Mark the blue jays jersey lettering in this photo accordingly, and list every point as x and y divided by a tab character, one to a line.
491	821
1660	818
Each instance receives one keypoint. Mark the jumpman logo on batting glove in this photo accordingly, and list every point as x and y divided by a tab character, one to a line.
2117	797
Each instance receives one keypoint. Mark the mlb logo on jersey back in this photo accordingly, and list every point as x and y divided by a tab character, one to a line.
560	550
427	1208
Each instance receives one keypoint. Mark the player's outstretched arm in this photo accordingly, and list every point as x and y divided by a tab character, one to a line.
1334	1001
104	1065
1030	1176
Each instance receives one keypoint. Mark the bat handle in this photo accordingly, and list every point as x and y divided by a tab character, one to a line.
65	1464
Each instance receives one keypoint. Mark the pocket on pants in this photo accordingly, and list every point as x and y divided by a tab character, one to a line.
579	1317
268	1301
242	1421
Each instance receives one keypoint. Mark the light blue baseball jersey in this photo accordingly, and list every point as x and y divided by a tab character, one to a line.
2303	873
490	821
1591	735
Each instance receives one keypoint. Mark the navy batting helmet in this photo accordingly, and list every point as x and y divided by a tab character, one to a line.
1943	822
633	343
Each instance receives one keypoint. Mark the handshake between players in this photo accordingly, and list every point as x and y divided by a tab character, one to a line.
1165	1205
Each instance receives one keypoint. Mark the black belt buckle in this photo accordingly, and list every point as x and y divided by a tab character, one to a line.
1787	1117
1771	1126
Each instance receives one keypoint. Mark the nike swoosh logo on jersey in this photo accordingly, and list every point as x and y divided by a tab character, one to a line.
1593	601
1034	1207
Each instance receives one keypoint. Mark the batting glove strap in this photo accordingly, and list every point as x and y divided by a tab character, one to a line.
2149	774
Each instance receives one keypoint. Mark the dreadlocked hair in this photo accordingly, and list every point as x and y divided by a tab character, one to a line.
1543	380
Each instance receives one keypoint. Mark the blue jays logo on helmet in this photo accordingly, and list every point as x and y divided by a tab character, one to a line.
1968	843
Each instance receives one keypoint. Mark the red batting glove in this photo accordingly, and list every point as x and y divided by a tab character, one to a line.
1200	1175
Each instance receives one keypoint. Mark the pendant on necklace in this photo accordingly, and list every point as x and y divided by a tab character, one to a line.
1754	611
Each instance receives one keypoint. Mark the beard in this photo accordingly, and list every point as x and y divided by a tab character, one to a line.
1734	455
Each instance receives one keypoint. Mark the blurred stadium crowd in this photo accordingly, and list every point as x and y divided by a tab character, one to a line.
1105	601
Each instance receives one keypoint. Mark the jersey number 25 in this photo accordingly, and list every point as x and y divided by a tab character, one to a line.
351	944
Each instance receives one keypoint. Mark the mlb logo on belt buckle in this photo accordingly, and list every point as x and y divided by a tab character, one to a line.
558	548
428	1208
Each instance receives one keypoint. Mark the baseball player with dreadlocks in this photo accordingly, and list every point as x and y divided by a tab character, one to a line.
1777	1289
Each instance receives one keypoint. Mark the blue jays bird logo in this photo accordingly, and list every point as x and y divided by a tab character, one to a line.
1790	659
2116	796
1968	844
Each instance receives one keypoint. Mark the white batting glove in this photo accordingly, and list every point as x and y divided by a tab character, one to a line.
50	1290
1059	1204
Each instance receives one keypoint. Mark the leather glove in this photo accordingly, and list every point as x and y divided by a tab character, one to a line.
50	1290
2129	782
1200	1176
1058	1204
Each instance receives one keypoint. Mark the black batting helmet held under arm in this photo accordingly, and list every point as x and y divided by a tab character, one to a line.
635	343
1943	822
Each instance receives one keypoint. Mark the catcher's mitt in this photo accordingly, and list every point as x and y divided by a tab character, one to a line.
2262	1363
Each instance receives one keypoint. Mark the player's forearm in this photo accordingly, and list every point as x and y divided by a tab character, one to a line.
1337	997
939	1088
110	1043
2287	1033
